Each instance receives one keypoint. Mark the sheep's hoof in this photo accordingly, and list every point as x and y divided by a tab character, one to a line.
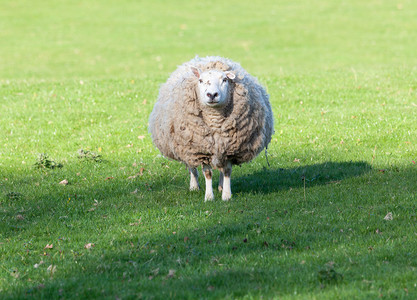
194	186
220	188
209	198
226	196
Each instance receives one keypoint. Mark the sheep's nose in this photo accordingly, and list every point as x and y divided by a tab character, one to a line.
212	96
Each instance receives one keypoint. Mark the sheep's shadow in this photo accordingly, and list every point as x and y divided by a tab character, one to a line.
270	180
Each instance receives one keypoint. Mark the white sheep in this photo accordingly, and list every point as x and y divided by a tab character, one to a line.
211	113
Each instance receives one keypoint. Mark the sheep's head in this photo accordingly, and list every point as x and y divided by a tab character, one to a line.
213	86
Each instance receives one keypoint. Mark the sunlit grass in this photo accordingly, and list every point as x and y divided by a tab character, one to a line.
77	84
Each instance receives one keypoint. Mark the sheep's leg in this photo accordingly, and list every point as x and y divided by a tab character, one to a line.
221	181
194	186
227	172
208	174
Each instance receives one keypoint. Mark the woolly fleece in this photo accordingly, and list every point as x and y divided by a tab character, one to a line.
184	129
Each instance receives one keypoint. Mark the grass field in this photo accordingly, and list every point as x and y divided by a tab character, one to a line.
333	217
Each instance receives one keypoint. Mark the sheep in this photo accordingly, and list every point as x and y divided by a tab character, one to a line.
214	114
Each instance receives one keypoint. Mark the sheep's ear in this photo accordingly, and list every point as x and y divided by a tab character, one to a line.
230	75
196	71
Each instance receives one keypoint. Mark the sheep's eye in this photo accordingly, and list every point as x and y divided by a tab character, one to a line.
224	79
200	80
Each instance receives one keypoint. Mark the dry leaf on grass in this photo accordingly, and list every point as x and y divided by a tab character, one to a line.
89	245
64	182
137	174
38	264
52	269
49	246
136	223
20	217
171	273
389	217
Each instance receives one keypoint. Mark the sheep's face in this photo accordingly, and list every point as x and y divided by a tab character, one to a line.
213	87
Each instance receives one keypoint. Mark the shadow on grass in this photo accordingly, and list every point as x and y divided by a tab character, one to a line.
75	199
205	264
224	252
271	180
268	180
213	261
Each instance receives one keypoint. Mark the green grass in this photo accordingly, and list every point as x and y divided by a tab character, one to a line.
75	75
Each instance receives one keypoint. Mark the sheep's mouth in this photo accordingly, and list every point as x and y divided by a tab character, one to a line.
212	102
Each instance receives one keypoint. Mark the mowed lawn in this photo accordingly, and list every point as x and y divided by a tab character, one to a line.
89	209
